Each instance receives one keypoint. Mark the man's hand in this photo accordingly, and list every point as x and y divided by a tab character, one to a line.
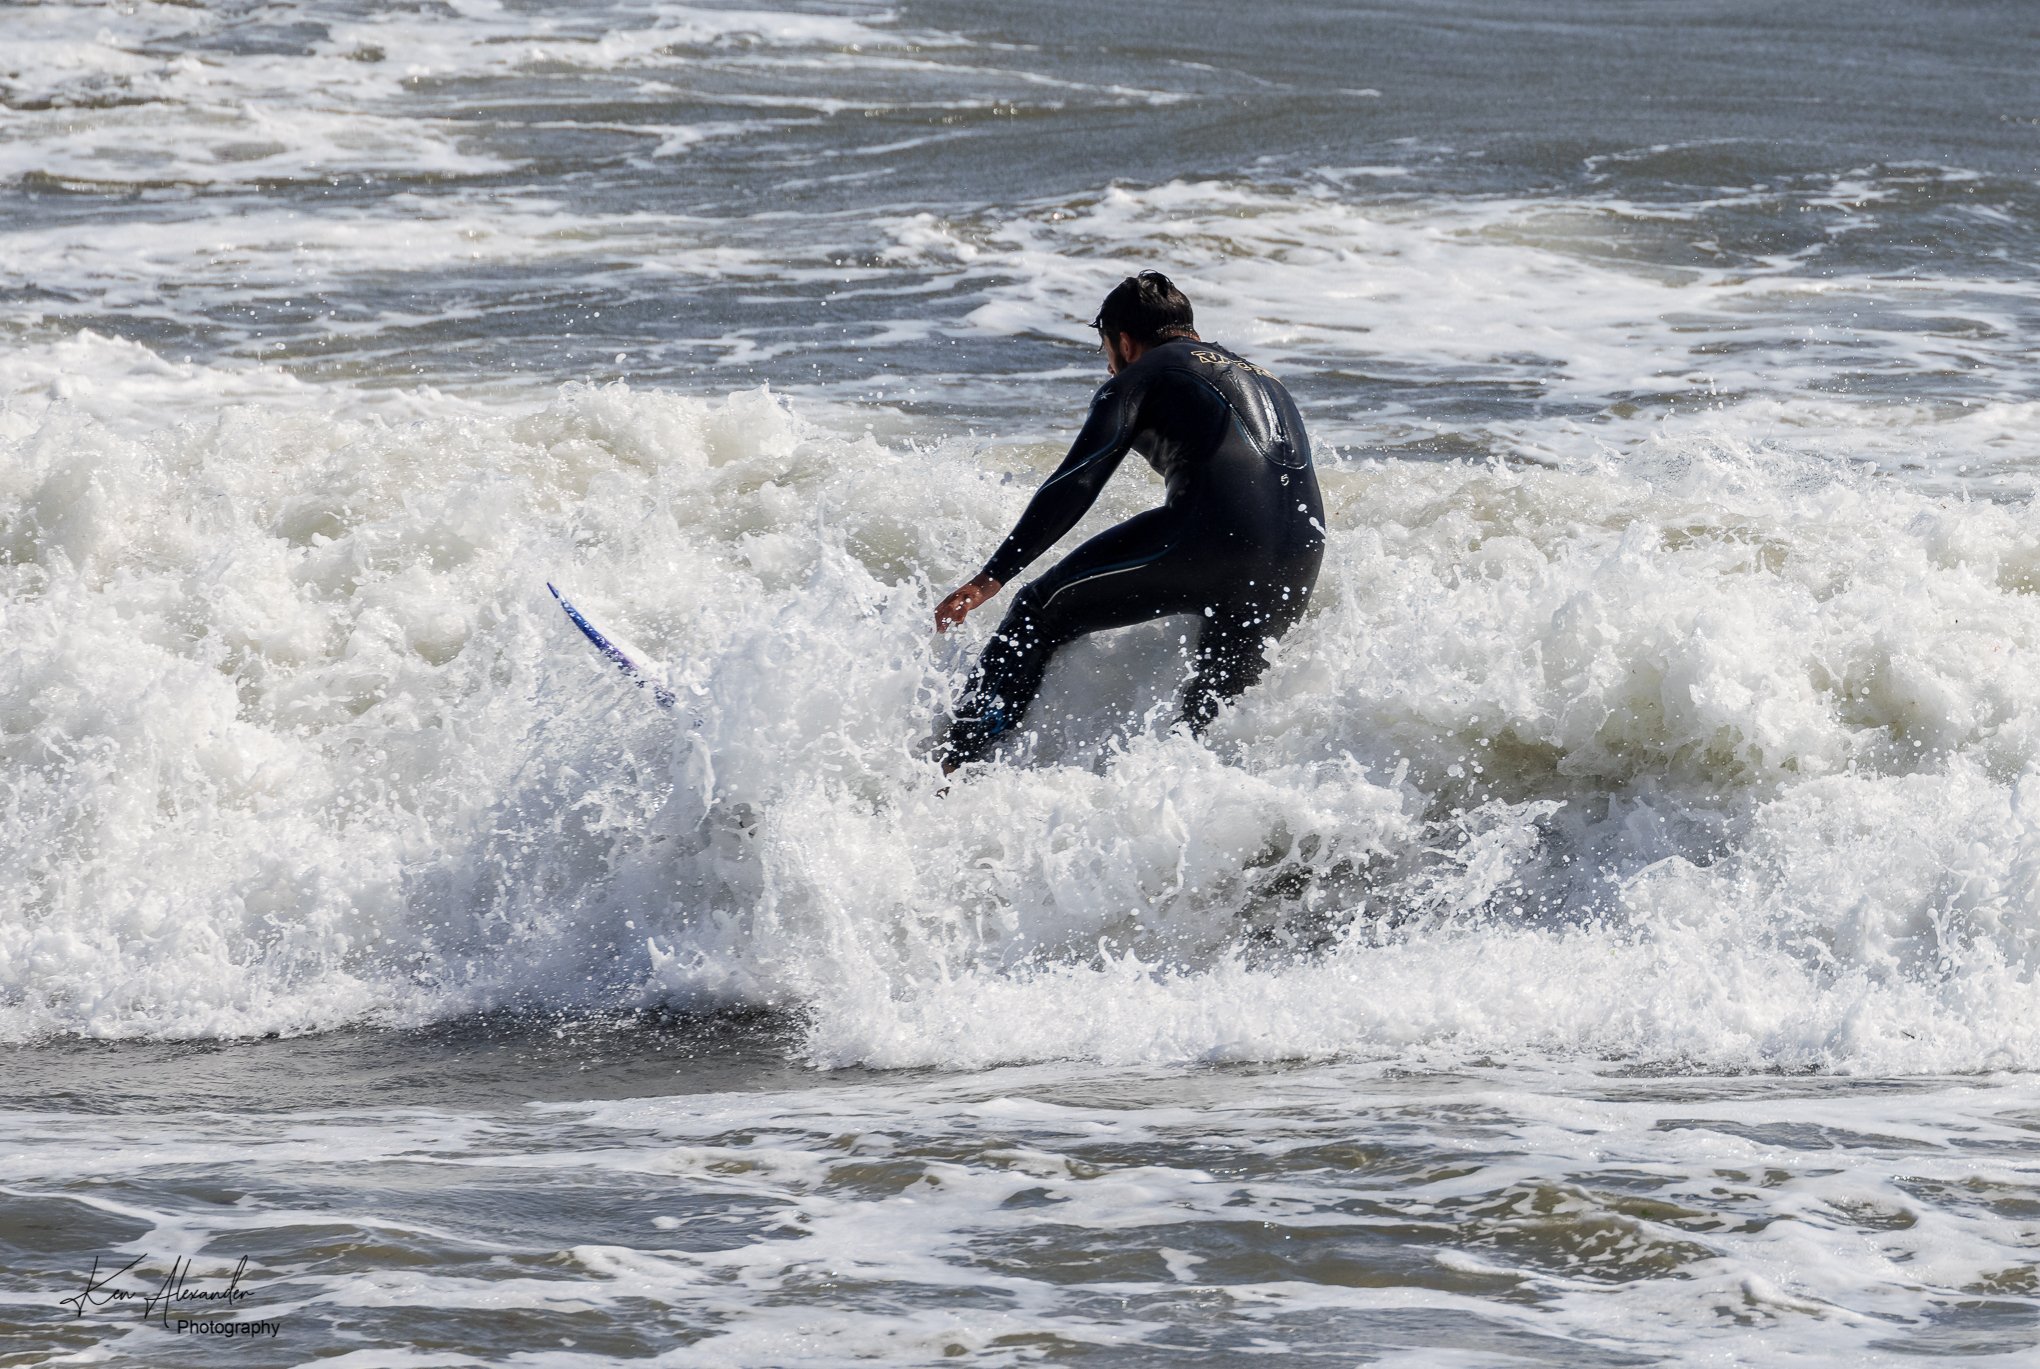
951	611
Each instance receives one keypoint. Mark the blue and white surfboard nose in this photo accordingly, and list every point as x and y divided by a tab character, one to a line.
629	662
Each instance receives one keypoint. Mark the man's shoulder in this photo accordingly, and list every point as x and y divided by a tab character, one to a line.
1181	360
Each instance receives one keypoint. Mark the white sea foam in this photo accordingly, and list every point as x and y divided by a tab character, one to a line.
162	94
1573	317
1590	304
1689	751
1480	1219
1579	346
1689	729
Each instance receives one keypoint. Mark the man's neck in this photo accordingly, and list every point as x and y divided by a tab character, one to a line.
1126	351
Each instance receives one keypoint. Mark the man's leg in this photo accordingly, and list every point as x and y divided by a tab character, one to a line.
1006	679
1120	577
1230	656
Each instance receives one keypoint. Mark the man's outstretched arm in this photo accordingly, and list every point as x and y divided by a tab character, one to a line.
1062	499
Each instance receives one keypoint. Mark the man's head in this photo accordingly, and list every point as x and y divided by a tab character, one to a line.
1142	311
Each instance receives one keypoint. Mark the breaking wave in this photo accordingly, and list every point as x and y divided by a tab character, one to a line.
1695	751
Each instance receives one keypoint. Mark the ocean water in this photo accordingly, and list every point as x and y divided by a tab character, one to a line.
1607	936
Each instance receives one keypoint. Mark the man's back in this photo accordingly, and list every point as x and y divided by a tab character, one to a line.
1228	440
1186	395
1223	434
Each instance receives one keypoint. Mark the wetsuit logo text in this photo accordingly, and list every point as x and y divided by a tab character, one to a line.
1210	358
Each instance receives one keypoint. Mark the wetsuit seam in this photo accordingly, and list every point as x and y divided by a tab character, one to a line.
1128	403
1240	426
1111	570
1093	459
1232	410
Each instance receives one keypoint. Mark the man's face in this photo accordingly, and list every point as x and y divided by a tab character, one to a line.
1109	345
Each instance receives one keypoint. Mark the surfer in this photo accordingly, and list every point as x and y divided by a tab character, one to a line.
1236	543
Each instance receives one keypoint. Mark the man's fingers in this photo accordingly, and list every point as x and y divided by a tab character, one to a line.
950	612
960	602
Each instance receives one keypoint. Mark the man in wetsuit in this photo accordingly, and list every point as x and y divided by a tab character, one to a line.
1237	542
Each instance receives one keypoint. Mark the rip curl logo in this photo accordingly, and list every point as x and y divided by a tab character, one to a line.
1210	358
183	1301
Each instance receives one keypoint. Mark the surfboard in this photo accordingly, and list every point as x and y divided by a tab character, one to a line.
639	675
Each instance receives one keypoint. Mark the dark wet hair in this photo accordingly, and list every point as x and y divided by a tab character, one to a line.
1148	307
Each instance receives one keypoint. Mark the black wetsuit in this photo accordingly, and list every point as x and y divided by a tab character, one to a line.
1237	543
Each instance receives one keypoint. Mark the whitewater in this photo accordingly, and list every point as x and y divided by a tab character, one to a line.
1695	752
1607	936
